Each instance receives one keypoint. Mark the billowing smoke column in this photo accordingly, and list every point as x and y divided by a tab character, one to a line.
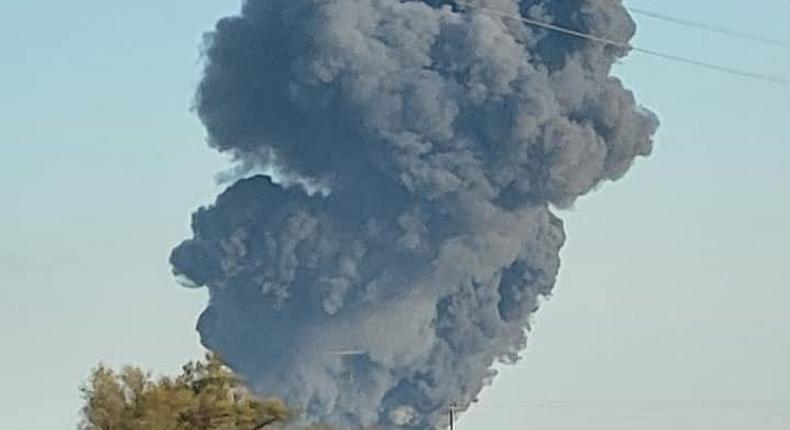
421	147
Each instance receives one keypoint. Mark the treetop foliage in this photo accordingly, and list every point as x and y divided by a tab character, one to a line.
206	395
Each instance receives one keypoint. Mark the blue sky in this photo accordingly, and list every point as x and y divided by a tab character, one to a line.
670	311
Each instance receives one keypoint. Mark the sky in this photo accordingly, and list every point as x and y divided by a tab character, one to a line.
670	310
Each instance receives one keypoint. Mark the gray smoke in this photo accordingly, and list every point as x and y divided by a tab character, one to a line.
441	138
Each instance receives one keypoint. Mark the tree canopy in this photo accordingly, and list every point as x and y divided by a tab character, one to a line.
206	395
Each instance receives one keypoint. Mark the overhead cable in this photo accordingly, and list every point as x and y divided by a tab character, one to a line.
711	28
629	46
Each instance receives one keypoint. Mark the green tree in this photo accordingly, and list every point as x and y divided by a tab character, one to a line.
206	395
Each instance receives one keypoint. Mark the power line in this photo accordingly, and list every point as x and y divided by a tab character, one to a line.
629	404
626	45
711	28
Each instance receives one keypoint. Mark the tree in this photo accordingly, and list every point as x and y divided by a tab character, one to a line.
206	395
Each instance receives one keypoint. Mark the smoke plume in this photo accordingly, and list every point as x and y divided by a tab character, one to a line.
422	149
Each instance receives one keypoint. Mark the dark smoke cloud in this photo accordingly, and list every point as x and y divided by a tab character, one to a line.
442	136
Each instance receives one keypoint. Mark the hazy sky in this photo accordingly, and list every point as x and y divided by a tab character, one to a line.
671	308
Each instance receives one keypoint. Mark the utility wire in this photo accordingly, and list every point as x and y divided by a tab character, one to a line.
711	28
626	45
